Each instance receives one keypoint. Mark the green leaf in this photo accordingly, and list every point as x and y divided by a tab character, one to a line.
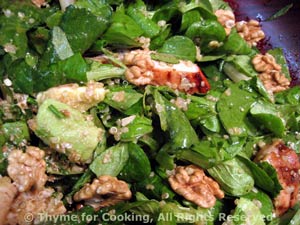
205	31
123	31
137	12
262	178
181	47
122	98
100	71
233	176
233	107
16	132
138	127
173	120
281	12
235	44
61	44
280	59
138	165
82	27
74	68
111	161
266	115
264	201
246	212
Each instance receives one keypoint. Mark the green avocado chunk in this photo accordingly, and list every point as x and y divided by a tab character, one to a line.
67	130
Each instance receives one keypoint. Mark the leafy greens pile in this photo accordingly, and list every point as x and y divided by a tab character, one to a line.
219	132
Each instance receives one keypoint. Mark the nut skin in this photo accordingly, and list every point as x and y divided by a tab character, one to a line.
251	31
103	191
287	165
192	183
226	18
27	170
270	73
30	197
8	191
35	203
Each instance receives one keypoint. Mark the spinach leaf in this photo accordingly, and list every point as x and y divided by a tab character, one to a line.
265	179
122	98
137	12
173	120
235	44
246	211
263	201
280	59
134	127
123	31
281	12
138	165
234	177
267	116
233	107
181	47
111	161
82	27
206	31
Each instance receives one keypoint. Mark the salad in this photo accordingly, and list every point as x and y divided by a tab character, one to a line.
132	112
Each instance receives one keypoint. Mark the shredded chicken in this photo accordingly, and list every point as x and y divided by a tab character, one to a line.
192	183
7	194
287	165
27	170
78	97
103	191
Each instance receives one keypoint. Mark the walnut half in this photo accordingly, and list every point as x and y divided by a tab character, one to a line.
226	18
251	31
192	183
270	73
27	170
103	191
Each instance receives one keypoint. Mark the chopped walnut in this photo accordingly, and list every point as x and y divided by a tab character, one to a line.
103	191
270	73
30	206
226	18
78	97
251	31
184	76
138	67
39	3
192	183
27	170
287	165
7	194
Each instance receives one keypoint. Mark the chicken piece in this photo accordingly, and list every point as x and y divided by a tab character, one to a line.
287	165
7	194
103	191
27	170
184	76
192	183
81	98
31	207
